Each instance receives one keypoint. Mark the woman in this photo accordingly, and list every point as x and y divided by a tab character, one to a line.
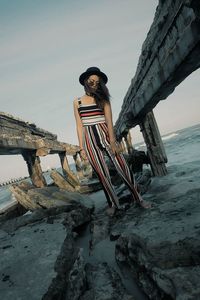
96	136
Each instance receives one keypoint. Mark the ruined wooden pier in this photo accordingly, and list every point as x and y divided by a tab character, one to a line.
20	137
169	54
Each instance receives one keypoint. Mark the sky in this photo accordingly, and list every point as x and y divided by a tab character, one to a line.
46	45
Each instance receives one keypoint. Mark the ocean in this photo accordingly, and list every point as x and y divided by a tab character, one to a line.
181	146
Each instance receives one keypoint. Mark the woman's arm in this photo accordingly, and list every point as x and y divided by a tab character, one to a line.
79	128
109	121
108	116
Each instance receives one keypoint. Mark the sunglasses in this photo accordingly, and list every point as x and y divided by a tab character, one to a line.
93	82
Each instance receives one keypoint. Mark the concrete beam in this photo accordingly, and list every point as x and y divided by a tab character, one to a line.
18	136
170	53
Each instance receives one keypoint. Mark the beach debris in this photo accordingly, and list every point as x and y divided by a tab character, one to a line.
61	182
38	252
33	198
161	246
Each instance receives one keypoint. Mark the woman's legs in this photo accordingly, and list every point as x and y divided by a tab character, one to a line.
97	160
124	171
96	141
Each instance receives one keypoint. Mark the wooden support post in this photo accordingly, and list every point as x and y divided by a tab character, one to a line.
123	146
67	172
128	141
34	168
155	147
78	165
64	163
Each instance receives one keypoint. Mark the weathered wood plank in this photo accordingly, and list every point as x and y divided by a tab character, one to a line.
23	198
68	174
61	182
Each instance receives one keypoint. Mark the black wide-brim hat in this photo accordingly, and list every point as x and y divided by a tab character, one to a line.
92	71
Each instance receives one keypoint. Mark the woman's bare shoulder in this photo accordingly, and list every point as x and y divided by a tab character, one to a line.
75	102
78	98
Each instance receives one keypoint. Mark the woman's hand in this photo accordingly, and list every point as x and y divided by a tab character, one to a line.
83	154
115	147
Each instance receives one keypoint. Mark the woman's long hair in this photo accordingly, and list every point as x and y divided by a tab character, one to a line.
101	94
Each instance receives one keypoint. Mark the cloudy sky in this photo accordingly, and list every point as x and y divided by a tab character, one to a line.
46	45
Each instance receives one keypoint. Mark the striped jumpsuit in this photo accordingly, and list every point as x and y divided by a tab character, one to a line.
96	143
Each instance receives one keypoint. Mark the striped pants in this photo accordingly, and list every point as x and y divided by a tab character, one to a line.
96	143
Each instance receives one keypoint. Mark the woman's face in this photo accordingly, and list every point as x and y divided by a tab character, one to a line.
93	81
